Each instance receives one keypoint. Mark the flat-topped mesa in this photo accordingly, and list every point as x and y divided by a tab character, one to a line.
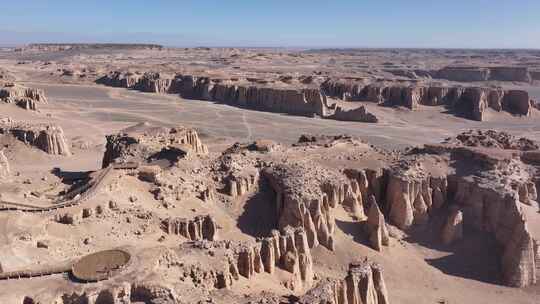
476	74
290	100
198	229
47	137
470	102
364	284
305	195
146	144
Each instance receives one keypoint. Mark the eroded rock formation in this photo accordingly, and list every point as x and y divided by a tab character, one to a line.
470	102
4	165
12	93
360	114
376	226
149	144
364	284
473	74
47	137
305	195
197	229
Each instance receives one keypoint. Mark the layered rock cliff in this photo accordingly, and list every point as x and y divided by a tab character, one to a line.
475	74
470	102
47	137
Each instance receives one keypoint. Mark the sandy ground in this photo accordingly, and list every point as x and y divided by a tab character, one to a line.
98	107
417	270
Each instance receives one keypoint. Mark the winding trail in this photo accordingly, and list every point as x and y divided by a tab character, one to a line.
75	197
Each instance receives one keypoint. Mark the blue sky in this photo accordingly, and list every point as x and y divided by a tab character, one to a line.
292	23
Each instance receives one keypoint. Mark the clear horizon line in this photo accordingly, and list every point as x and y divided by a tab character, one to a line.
9	45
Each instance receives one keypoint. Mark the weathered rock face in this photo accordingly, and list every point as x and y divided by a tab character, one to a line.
453	228
472	74
47	137
517	102
26	103
305	195
358	114
376	226
498	211
520	74
304	102
239	184
535	75
470	102
197	229
119	79
287	250
463	74
12	93
151	144
290	251
364	284
154	83
411	194
491	200
4	165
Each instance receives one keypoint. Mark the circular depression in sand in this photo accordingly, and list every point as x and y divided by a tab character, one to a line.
100	265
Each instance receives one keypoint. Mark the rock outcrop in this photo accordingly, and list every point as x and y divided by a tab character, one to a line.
290	251
238	184
13	92
364	284
411	194
475	74
26	98
453	227
287	250
4	165
197	229
305	195
470	102
290	100
47	137
492	139
360	114
147	144
376	226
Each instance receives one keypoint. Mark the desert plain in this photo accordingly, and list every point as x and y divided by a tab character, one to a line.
146	174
